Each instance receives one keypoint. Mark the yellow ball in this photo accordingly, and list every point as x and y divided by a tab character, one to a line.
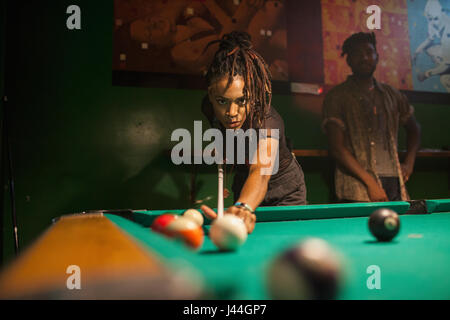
194	215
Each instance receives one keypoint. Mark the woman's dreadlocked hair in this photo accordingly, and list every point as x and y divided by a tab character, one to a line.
236	56
351	42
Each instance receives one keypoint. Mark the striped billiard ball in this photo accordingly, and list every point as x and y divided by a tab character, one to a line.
187	231
384	224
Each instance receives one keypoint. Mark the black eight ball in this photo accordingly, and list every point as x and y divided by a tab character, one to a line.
384	224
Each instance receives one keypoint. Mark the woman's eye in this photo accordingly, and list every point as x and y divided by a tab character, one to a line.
221	101
241	102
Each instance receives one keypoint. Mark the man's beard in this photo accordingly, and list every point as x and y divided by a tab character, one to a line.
364	74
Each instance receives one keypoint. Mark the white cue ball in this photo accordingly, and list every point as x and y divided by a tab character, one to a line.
228	232
194	215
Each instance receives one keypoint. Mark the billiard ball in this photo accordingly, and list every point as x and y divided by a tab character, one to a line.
384	224
194	215
187	231
161	222
228	232
308	270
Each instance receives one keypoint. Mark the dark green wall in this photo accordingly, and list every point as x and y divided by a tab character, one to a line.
80	143
2	76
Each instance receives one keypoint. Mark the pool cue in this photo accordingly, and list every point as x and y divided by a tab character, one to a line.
6	157
220	192
9	15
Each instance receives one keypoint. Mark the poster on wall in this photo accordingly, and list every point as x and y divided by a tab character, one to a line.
340	19
413	42
165	43
171	37
429	29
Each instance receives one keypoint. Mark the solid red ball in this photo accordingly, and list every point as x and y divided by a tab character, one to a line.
161	222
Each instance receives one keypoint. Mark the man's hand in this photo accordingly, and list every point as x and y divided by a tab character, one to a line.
376	192
407	170
248	217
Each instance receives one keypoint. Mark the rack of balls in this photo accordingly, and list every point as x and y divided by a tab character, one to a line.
227	233
186	228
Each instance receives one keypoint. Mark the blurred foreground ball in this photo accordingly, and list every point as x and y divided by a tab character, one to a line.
310	270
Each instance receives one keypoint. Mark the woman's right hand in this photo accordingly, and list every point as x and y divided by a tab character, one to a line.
247	217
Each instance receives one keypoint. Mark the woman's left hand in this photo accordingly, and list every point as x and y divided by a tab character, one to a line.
248	217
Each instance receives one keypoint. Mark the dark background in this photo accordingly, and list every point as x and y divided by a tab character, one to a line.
80	143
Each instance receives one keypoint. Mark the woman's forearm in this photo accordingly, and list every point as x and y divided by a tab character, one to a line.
255	188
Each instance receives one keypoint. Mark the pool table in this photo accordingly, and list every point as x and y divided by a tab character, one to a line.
415	265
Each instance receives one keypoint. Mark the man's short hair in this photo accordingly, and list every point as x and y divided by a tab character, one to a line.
355	39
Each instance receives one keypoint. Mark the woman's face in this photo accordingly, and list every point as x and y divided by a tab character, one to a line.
229	104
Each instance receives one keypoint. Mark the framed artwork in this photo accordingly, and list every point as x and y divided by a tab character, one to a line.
161	43
164	38
429	29
340	19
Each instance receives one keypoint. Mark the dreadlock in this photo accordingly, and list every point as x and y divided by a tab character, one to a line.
351	42
236	56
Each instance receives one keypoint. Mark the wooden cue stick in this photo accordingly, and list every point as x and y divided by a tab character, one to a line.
220	192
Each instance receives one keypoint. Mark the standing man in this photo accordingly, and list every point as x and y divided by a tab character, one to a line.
361	117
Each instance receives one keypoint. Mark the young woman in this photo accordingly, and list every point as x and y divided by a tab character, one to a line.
239	97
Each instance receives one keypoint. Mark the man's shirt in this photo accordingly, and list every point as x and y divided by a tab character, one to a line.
346	106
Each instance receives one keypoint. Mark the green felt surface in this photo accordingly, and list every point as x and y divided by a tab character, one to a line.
413	266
